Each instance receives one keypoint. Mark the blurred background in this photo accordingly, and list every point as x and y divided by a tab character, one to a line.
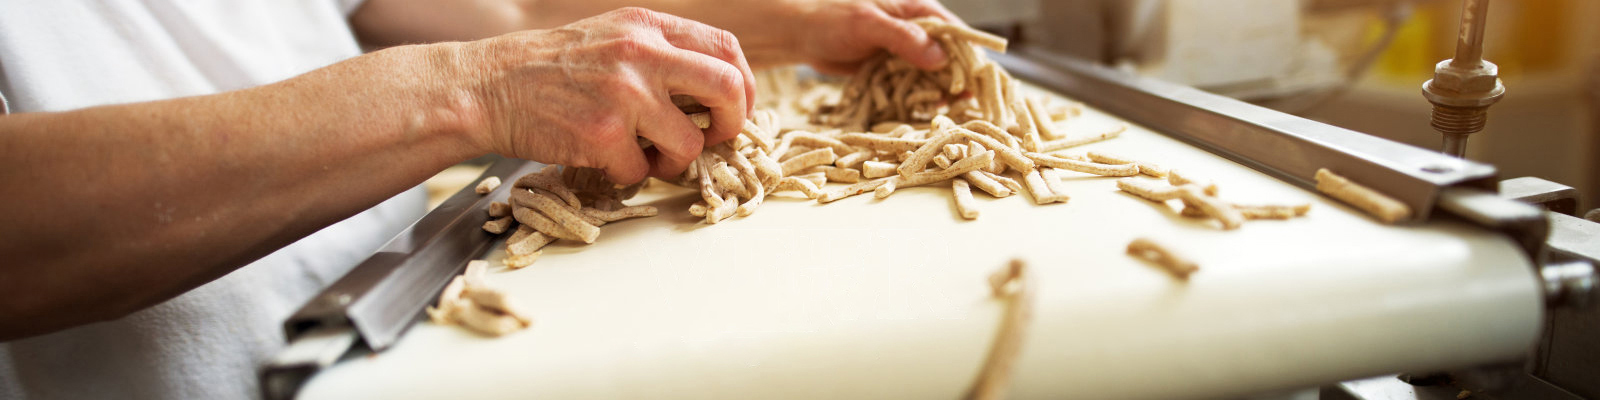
1357	64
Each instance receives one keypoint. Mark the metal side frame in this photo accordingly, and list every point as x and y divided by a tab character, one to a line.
378	300
1290	148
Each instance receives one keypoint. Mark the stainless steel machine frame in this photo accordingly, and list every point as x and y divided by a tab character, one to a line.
378	301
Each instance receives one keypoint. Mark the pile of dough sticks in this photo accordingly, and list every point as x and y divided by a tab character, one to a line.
895	126
558	203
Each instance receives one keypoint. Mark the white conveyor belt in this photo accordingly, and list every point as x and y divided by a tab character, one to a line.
887	299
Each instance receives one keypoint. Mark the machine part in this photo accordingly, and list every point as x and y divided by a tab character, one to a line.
1572	241
1286	147
381	298
1557	198
310	352
1463	88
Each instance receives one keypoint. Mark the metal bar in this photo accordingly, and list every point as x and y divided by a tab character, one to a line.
1285	146
1469	44
385	294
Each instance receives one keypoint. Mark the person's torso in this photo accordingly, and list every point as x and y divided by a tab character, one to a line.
67	54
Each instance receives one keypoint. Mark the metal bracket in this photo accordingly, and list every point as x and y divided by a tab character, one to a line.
1282	145
1552	196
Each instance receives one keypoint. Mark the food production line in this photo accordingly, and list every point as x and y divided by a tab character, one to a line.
1483	292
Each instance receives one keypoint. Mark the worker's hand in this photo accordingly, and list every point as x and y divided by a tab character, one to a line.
581	95
837	35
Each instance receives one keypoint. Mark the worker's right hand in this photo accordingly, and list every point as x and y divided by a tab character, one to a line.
582	94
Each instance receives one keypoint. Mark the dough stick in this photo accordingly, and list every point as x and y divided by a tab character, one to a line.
1151	251
1014	285
854	160
1010	156
987	184
549	180
526	240
808	159
447	301
830	196
1384	208
499	225
881	142
1052	181
1065	143
1180	178
1228	216
993	132
955	152
961	34
1272	211
801	185
540	222
1149	190
1039	189
878	169
841	175
499	209
965	165
1144	167
621	213
962	194
1041	120
919	159
487	185
818	141
1016	187
1084	167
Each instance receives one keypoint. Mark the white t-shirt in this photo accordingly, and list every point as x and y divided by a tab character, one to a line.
209	342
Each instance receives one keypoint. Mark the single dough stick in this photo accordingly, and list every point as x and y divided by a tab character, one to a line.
487	185
1229	217
808	159
567	217
1272	211
965	165
983	182
1070	142
1384	208
1084	167
1040	189
1052	180
881	142
1180	178
499	225
829	196
549	180
1149	190
1014	285
962	194
499	209
878	169
797	184
1144	167
621	213
1151	251
526	241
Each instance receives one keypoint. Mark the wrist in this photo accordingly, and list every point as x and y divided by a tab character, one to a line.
449	106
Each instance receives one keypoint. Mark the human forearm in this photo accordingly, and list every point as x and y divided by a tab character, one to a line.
112	209
834	35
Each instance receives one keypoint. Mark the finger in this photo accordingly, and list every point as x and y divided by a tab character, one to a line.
716	84
620	157
676	139
705	39
904	39
924	8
